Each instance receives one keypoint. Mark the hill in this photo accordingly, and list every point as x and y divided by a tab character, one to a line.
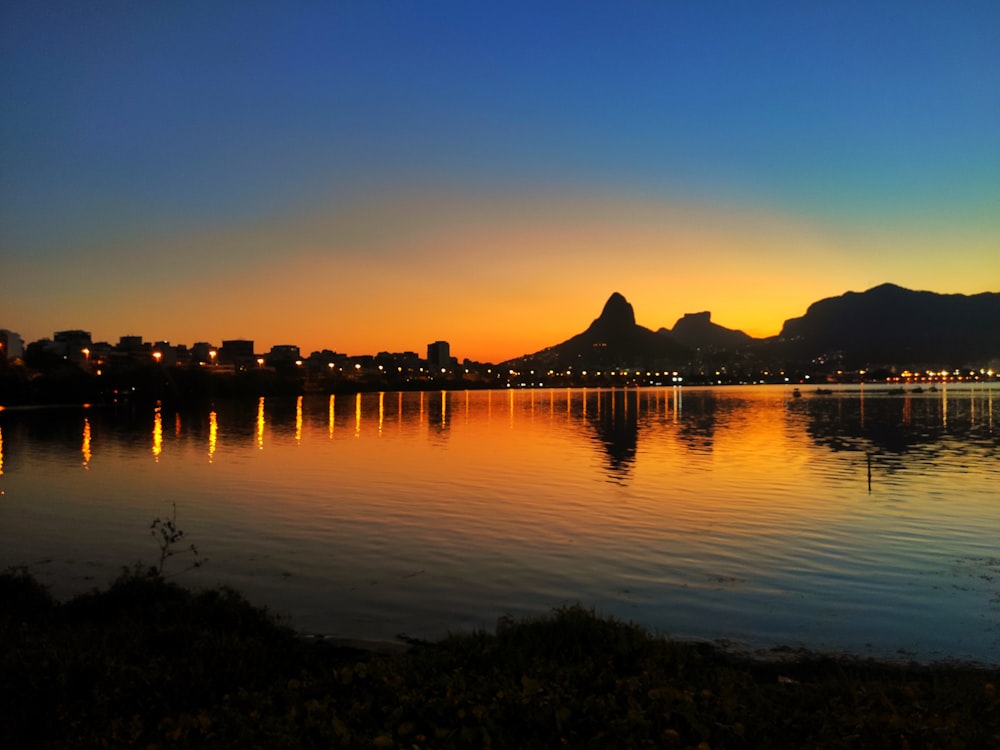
612	340
890	324
885	325
697	331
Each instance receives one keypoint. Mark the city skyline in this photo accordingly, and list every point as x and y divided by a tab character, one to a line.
376	177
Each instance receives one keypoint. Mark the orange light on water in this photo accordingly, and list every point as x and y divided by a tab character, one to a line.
157	433
213	434
86	443
298	420
357	416
260	424
381	410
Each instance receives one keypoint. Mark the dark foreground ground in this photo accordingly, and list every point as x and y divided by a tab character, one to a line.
147	664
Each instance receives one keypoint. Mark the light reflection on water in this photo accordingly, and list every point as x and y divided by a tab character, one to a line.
861	519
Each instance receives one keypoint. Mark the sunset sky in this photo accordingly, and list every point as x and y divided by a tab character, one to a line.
368	176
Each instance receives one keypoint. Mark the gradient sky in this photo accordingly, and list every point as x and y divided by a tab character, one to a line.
367	176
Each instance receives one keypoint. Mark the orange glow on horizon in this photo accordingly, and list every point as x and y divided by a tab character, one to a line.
551	263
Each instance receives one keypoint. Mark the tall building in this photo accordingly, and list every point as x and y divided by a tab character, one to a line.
11	346
439	354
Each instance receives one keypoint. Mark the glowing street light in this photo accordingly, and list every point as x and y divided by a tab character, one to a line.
260	362
212	355
157	356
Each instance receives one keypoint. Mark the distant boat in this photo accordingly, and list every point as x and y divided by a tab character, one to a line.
796	393
824	392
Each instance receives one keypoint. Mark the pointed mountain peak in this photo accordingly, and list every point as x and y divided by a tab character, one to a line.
617	312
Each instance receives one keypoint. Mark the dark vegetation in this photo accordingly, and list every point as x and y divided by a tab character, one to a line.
146	663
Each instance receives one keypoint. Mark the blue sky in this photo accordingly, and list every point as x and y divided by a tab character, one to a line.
134	131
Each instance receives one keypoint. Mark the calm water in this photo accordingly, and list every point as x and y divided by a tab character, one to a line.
859	520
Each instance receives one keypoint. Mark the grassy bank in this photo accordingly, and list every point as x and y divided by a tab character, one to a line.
146	663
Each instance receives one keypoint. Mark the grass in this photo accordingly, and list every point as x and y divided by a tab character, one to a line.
148	664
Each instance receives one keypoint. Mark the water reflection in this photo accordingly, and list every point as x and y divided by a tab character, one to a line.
745	509
622	424
357	416
213	434
616	425
897	424
157	433
439	416
86	443
698	421
260	424
298	419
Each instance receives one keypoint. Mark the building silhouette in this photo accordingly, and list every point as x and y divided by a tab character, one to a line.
439	354
237	352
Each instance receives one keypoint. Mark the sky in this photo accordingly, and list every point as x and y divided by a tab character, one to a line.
374	176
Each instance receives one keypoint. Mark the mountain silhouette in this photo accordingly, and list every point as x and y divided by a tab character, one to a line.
697	331
883	325
612	340
890	324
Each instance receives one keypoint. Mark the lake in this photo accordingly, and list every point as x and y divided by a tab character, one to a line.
859	519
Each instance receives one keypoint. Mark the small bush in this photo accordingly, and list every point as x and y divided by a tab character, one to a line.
23	597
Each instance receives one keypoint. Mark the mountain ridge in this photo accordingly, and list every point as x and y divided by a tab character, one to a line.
883	324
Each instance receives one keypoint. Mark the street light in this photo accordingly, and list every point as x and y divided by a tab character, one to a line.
157	356
211	355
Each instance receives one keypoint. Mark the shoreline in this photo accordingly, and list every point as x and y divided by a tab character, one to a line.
147	662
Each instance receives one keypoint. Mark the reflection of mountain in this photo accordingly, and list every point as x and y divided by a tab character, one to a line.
616	426
618	416
898	423
697	430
